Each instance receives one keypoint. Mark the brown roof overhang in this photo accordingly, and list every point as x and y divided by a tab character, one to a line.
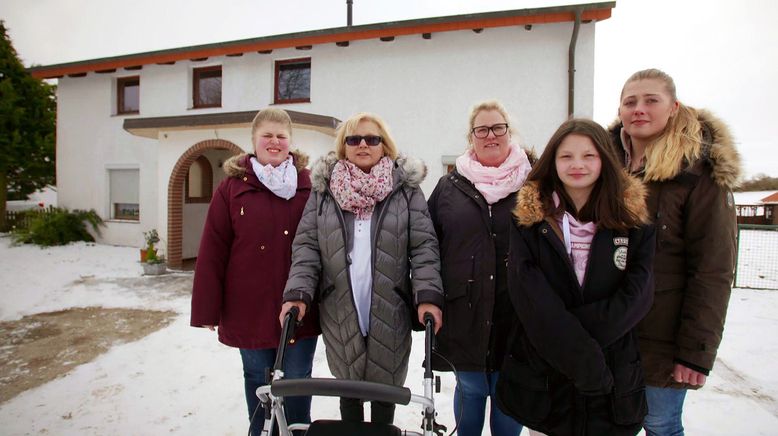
556	14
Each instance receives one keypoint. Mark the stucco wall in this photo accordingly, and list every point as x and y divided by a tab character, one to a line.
423	89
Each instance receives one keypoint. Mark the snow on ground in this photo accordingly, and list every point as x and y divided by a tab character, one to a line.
180	380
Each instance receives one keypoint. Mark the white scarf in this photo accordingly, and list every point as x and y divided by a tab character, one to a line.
280	180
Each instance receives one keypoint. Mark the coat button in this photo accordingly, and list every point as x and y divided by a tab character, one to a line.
544	231
477	196
286	232
245	179
491	277
261	247
664	226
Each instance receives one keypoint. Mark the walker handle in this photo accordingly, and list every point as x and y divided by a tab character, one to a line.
287	335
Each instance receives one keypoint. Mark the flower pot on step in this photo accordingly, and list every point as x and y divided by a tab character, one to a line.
154	269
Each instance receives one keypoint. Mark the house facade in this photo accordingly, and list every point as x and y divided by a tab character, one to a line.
141	138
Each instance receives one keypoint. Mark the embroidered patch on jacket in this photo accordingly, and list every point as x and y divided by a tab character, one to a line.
620	258
621	241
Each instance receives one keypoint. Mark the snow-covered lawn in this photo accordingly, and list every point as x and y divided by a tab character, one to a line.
180	380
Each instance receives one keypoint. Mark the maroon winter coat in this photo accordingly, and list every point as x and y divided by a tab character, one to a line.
245	255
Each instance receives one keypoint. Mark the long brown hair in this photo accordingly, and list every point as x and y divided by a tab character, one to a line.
680	140
606	204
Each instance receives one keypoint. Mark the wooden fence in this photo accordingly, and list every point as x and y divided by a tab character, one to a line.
21	219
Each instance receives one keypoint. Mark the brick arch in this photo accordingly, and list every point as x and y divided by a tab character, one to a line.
175	195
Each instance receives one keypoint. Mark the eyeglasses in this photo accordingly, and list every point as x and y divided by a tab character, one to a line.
483	131
371	140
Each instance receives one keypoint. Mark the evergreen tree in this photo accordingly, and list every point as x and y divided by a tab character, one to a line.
27	128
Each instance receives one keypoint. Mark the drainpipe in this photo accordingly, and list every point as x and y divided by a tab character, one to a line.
571	65
348	12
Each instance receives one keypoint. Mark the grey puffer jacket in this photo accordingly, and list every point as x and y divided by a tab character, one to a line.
406	273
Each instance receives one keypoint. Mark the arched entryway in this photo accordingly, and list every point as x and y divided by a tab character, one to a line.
175	194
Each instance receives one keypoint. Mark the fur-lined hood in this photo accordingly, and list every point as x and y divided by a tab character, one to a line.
409	171
718	150
236	165
529	207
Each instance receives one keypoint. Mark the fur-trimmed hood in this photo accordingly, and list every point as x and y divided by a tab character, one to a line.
236	165
718	150
529	207
409	171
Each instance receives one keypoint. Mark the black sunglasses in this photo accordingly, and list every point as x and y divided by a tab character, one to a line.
355	140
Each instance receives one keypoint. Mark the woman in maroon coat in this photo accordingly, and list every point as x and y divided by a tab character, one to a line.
245	255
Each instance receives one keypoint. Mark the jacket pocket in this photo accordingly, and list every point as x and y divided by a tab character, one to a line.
661	322
522	392
458	278
326	292
628	400
408	305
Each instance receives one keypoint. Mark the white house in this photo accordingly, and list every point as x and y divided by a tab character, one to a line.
141	137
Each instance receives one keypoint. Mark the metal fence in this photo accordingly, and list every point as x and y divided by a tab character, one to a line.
757	257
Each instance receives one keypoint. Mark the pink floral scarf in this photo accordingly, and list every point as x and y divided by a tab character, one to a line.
357	191
495	183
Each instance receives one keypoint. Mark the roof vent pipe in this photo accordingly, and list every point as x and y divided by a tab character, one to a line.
348	12
571	65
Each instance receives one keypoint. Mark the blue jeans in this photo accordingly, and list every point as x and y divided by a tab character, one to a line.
298	363
473	388
664	411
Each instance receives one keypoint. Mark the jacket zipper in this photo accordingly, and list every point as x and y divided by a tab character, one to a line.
342	220
568	259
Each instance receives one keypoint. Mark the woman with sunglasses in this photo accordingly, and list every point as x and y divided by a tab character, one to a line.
365	251
471	210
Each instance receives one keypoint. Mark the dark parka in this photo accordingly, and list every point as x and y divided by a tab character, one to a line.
694	213
473	241
245	255
573	365
406	273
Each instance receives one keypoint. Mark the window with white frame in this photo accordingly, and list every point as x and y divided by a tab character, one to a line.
124	185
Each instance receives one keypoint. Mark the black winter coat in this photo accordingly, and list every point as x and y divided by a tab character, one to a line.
473	240
573	365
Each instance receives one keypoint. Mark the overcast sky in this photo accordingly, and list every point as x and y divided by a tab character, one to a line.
722	54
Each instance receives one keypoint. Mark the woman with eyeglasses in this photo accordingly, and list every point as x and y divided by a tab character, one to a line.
471	210
365	252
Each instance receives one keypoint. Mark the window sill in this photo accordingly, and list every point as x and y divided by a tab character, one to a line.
298	100
216	106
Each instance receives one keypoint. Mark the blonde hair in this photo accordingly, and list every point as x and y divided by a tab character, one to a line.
681	139
487	105
348	127
274	115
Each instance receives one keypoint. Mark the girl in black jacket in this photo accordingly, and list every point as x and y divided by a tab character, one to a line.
580	279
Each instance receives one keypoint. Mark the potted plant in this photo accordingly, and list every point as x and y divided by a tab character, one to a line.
151	237
154	265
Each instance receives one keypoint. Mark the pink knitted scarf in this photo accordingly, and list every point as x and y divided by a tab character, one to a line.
357	191
495	183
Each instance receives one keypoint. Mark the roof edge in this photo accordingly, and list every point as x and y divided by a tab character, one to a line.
554	14
150	126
